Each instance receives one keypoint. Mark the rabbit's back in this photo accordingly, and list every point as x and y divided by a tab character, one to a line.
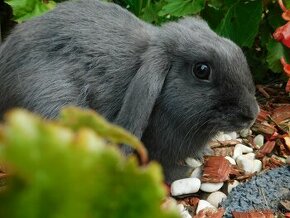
70	55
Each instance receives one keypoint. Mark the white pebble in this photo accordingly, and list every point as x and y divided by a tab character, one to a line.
211	187
240	149
244	148
185	214
245	163
180	208
250	156
192	162
202	204
257	166
237	152
245	132
249	164
197	173
227	137
239	139
231	160
232	185
259	140
233	135
185	186
216	198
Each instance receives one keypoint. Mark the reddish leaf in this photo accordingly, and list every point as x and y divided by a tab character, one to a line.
282	34
286	12
281	113
286	66
263	115
287	88
262	128
192	201
210	213
271	162
216	169
267	148
253	214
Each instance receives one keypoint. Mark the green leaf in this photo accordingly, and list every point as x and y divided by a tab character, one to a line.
212	15
275	51
255	59
215	3
241	22
136	6
286	3
27	9
63	172
150	13
181	8
274	16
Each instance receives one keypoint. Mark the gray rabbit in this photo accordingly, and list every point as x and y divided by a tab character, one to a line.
173	86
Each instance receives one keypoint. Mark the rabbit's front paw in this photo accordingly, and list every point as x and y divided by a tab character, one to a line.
176	172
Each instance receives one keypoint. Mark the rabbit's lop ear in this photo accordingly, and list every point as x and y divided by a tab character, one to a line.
142	92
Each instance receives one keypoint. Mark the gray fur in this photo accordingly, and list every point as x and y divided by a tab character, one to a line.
100	56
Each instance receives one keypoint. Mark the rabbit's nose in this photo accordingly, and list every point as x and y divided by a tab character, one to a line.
250	109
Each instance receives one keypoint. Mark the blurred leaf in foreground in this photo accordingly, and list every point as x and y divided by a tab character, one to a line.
70	169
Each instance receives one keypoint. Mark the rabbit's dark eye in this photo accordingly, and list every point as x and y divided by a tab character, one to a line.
201	71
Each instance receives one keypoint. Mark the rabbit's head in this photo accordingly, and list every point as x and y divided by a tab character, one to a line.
192	83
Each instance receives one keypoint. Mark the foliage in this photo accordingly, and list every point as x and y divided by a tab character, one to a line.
72	168
249	23
26	9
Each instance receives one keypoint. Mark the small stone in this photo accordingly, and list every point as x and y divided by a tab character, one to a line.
245	132
197	173
250	156
231	160
185	186
259	140
202	204
192	162
257	166
232	185
248	163
245	163
240	140
216	198
237	152
227	137
180	208
211	187
240	149
185	214
244	148
233	135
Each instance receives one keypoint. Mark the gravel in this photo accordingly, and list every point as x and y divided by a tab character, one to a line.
272	185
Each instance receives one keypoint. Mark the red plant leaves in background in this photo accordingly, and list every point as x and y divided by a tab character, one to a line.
286	68
282	34
287	88
286	12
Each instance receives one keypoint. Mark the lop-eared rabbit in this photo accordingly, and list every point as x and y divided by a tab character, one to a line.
173	86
